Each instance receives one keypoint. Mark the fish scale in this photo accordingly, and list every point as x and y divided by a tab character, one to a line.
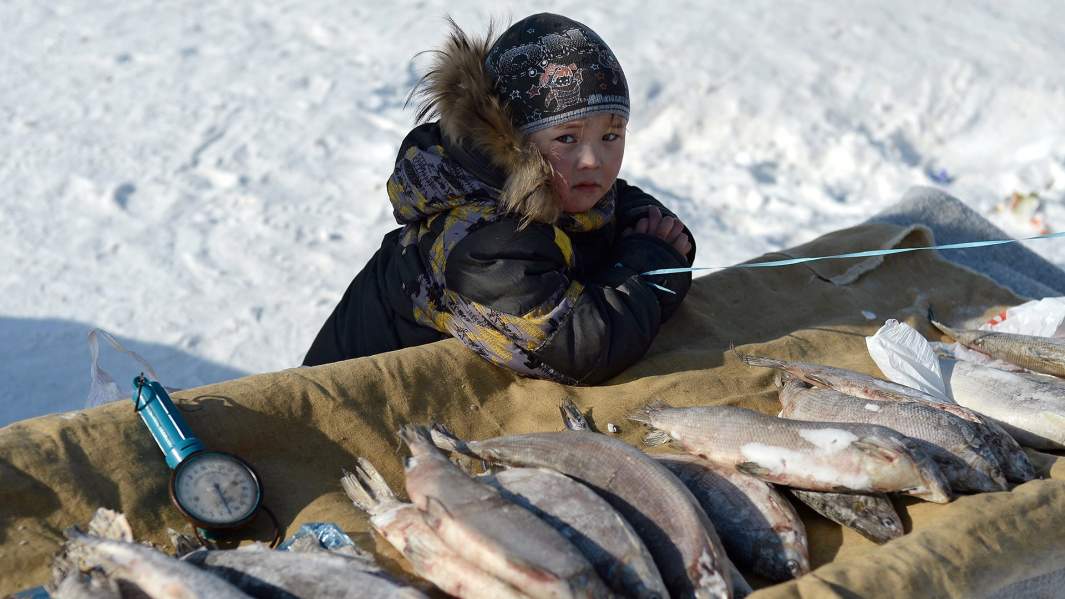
966	461
586	519
1038	354
1030	407
811	455
1015	463
501	537
758	527
659	507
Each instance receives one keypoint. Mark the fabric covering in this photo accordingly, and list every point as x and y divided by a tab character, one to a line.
299	427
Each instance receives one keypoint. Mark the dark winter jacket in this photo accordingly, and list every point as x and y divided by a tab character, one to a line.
561	301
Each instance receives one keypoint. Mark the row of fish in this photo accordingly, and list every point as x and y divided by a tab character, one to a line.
580	514
1029	405
841	442
106	563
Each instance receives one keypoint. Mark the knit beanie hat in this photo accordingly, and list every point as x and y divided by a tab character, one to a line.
548	69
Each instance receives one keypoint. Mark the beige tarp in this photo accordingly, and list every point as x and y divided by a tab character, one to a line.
300	427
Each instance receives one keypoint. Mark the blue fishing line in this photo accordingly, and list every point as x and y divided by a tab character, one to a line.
864	254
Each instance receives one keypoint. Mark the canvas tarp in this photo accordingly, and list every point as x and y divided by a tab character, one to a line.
300	427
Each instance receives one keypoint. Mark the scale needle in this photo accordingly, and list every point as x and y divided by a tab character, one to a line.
223	496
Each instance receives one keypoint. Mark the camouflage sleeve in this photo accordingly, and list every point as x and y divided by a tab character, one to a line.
511	300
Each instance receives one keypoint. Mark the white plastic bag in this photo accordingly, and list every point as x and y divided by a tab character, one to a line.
907	358
1043	318
102	388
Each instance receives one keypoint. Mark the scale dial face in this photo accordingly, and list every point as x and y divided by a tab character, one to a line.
216	488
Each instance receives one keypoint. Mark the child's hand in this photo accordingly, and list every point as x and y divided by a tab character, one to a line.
666	228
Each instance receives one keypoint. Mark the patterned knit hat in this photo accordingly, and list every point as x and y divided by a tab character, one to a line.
548	69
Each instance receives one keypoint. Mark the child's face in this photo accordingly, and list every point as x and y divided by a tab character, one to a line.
586	155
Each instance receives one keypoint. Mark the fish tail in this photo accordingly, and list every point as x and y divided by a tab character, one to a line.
572	416
752	360
109	524
443	438
366	487
939	325
656	437
417	438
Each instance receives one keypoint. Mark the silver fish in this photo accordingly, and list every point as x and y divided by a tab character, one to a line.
405	527
758	527
1029	407
261	572
590	523
1015	463
657	504
818	456
504	539
871	515
1038	354
156	574
952	442
91	585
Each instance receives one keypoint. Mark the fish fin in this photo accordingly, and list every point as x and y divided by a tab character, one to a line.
572	416
109	524
446	440
435	512
752	360
656	437
647	414
366	487
874	450
753	468
939	325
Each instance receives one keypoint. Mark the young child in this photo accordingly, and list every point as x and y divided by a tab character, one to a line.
518	238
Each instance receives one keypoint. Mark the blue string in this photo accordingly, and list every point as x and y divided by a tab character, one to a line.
864	254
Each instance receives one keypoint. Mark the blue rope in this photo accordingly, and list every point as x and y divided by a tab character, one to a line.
864	254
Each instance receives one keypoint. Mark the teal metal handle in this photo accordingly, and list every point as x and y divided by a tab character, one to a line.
164	422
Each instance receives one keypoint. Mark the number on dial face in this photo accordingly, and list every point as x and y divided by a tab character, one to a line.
216	488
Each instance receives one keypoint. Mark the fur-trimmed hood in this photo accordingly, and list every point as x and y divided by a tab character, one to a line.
458	91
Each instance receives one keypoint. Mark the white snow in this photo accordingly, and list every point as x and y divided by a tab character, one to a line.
203	179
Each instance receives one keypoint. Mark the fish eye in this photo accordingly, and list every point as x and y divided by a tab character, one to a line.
889	523
793	566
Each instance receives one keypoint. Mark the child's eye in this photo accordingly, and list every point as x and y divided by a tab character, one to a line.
611	137
564	138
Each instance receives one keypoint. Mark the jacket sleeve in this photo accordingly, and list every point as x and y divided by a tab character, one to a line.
514	302
634	204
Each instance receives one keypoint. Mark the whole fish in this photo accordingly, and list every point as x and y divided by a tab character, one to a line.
503	538
952	442
872	516
1029	407
659	507
263	572
1038	354
156	574
404	526
1014	462
590	523
818	456
758	527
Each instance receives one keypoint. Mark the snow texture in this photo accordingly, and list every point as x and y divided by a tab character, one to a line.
203	179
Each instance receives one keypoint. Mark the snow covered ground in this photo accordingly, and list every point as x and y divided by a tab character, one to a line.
203	179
